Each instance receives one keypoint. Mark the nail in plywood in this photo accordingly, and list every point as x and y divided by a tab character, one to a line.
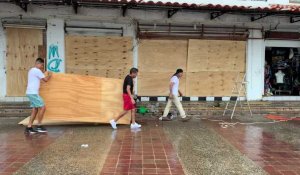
22	51
77	98
158	61
110	57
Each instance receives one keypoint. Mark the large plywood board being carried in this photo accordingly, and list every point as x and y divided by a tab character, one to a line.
216	55
82	99
22	51
157	84
110	57
158	61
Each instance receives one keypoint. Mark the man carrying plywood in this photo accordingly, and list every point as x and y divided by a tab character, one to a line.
174	97
35	75
129	103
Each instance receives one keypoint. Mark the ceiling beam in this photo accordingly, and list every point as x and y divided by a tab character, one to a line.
260	16
214	15
172	12
294	19
75	6
124	10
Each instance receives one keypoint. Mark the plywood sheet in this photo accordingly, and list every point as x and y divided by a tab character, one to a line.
77	98
157	84
158	61
211	83
216	55
22	51
110	57
162	55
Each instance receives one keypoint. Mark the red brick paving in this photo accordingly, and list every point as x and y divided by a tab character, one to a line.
147	152
17	148
274	156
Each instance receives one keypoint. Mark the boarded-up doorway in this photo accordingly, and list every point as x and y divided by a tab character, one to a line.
22	50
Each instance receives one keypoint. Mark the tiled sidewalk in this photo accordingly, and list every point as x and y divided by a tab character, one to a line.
142	152
17	148
274	156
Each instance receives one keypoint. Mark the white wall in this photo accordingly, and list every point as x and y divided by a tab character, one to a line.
55	45
255	66
2	62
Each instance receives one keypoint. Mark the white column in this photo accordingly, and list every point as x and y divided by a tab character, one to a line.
255	65
55	45
130	30
2	62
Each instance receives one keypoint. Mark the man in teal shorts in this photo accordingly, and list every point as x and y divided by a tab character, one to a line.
35	75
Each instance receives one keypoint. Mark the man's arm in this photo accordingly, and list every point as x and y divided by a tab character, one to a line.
171	87
48	76
180	93
129	93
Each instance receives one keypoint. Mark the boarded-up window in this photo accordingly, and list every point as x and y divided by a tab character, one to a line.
158	61
109	57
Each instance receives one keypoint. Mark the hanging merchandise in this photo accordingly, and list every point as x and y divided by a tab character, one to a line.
291	55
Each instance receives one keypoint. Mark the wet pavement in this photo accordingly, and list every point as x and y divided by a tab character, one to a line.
193	148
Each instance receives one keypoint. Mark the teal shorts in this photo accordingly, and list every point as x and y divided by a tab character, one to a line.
36	101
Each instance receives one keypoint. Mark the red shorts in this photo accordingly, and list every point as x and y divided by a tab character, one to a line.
128	105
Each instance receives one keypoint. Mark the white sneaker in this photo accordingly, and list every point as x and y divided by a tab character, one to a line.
136	125
113	124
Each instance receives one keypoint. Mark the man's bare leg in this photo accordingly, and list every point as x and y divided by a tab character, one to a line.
133	116
113	122
121	115
32	117
41	114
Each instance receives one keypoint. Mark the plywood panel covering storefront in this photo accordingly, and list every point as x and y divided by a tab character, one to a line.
213	66
22	50
109	57
158	60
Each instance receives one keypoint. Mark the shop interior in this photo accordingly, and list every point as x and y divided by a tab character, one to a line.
282	71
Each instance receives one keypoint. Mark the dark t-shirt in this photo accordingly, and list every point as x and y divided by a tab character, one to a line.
128	81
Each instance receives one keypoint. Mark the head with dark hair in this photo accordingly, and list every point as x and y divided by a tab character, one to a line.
133	72
39	63
178	73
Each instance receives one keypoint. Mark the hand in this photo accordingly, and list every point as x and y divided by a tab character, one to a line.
171	96
132	101
180	94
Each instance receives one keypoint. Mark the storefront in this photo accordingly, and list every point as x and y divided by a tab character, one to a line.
213	44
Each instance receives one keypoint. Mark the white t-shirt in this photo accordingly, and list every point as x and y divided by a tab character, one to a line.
279	77
34	77
175	87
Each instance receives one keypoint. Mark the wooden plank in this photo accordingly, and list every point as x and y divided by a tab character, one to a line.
110	57
216	55
22	51
210	83
157	84
77	98
162	55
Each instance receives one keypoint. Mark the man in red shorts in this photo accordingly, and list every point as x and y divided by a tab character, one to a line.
129	103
